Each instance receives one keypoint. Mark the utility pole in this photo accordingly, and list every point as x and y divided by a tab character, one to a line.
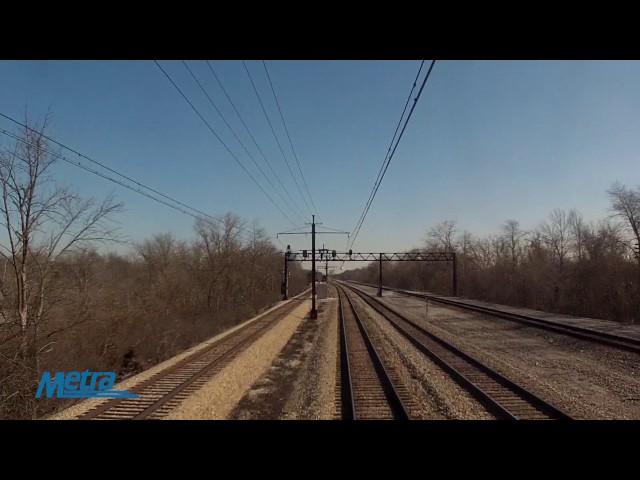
426	308
285	282
455	275
380	276
326	269
325	252
314	312
288	258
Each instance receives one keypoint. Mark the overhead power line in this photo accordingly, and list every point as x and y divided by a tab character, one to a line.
390	155
293	150
284	156
100	164
253	139
235	135
215	134
395	133
182	207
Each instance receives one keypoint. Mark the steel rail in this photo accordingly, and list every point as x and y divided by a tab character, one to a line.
396	405
501	396
583	333
163	391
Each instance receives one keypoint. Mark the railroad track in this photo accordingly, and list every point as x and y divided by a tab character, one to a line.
162	392
370	390
501	396
603	338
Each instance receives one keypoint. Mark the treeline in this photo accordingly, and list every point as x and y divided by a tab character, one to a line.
564	265
66	306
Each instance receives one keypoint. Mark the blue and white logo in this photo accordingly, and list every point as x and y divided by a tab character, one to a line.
81	385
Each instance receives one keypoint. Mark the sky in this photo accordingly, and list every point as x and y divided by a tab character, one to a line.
488	141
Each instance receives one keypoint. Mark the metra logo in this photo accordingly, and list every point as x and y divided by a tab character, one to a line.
81	385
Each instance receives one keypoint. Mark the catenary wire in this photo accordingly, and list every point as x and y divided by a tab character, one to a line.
215	134
406	104
415	101
253	139
275	136
235	135
293	150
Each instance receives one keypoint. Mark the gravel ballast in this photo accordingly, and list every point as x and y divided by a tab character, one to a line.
84	406
217	398
585	379
300	384
436	395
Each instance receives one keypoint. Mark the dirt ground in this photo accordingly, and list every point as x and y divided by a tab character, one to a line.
587	380
301	381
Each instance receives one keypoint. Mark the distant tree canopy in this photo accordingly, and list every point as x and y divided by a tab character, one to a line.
563	265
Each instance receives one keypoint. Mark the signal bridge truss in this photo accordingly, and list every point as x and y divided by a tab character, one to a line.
333	256
325	255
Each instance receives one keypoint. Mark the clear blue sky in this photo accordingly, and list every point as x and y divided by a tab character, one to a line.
488	141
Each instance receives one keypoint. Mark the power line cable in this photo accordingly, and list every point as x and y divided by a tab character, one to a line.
293	150
237	160
202	215
86	157
393	151
331	228
253	139
406	104
415	101
235	135
264	111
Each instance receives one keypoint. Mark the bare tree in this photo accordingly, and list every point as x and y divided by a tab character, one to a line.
63	304
443	234
513	234
626	205
555	234
579	232
484	253
217	245
42	222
